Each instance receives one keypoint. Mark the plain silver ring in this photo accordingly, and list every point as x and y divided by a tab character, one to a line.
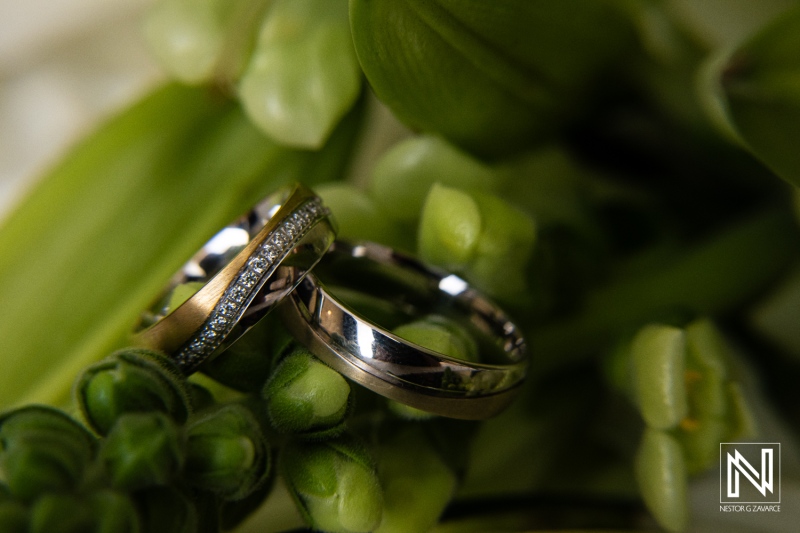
396	368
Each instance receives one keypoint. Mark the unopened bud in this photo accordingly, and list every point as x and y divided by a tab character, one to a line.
306	396
132	380
227	452
41	450
335	484
142	450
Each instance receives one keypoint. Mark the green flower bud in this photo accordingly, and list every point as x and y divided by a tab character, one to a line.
661	475
450	228
191	38
306	396
113	513
491	77
13	517
440	334
417	484
227	452
60	513
658	353
404	175
335	485
166	510
704	427
142	450
466	233
359	217
303	75
41	450
132	380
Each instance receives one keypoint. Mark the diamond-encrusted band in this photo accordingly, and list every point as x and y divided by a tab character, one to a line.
239	275
248	282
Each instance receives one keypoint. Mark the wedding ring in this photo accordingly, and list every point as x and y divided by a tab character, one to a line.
243	276
389	365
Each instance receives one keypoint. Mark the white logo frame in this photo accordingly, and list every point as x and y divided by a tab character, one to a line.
733	463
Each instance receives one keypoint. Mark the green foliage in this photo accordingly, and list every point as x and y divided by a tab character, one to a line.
557	160
484	75
759	86
120	239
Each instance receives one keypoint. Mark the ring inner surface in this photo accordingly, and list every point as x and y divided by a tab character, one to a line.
389	290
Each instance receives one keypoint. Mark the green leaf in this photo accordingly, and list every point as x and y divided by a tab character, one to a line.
303	75
93	244
761	92
489	76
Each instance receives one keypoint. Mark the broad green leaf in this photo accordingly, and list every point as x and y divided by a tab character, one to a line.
761	92
303	76
489	76
92	245
709	278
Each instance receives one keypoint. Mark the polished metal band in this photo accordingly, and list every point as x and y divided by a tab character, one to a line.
242	275
394	367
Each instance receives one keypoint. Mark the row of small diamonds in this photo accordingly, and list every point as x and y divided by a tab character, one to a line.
247	282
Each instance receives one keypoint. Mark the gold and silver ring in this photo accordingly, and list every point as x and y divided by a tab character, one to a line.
242	276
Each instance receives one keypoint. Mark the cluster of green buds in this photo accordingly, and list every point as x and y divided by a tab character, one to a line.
153	454
681	380
554	155
160	453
